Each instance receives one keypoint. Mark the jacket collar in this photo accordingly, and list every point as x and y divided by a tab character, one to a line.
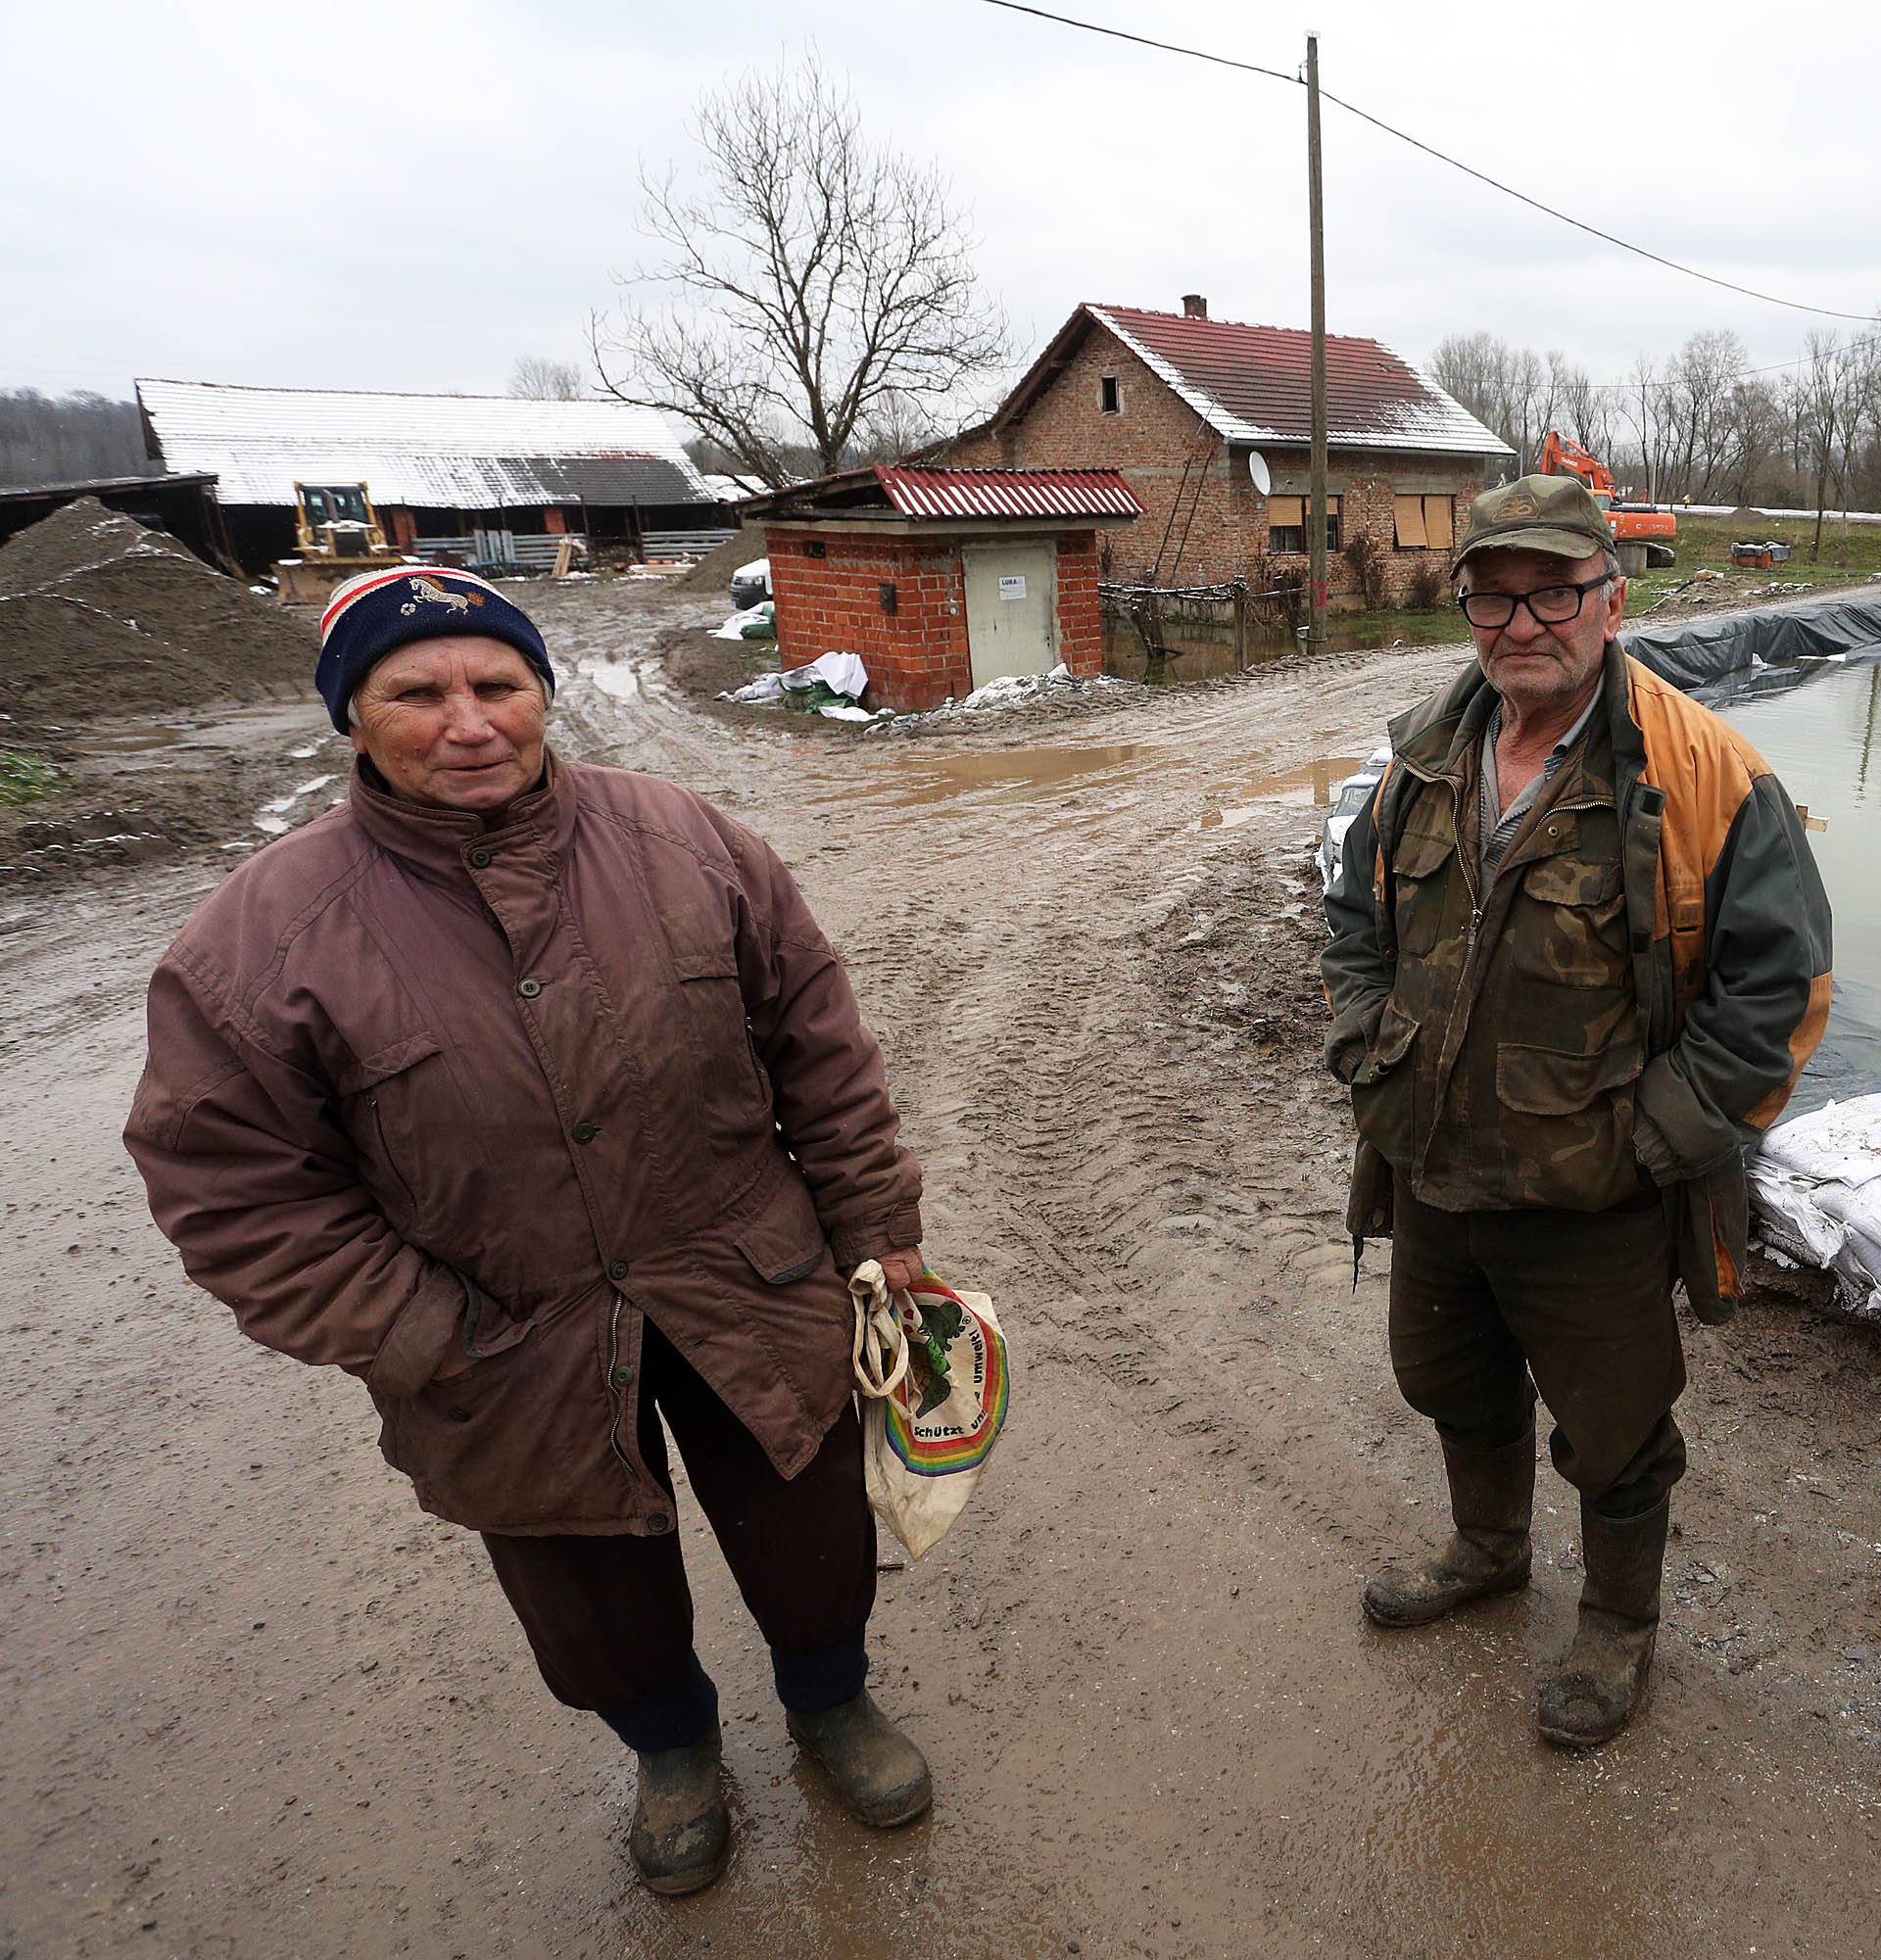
438	841
1435	737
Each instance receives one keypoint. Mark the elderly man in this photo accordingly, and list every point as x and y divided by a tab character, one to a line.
530	1093
1580	955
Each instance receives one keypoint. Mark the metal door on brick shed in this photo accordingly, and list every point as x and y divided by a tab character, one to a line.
1012	610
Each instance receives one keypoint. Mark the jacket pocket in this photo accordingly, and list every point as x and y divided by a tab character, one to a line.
1420	870
1574	934
1549	1082
785	1241
379	1101
732	1083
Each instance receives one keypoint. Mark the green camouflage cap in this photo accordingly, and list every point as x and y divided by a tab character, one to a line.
1556	514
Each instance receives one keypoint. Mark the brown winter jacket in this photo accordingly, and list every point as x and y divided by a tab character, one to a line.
422	1096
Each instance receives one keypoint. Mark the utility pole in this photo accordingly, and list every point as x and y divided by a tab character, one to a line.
1315	217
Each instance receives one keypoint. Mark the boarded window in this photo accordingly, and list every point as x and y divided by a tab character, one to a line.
1287	524
1423	522
1109	395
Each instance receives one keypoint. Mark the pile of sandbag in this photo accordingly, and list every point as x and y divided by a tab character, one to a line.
1816	1186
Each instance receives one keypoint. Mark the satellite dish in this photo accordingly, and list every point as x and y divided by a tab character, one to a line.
1258	473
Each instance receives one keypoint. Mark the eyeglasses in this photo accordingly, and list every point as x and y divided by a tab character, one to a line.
1550	605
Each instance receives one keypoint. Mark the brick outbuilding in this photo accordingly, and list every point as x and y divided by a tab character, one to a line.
1194	411
942	579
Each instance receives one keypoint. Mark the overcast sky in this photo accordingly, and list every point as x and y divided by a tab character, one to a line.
410	196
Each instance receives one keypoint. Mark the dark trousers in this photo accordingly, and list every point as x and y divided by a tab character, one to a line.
1580	1300
610	1618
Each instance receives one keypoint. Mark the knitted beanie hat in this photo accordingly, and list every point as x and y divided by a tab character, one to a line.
378	612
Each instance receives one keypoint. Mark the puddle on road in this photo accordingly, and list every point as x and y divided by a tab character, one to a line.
1320	778
1013	775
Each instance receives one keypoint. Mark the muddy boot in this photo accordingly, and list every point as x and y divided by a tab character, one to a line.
1599	1680
682	1833
1492	1494
878	1773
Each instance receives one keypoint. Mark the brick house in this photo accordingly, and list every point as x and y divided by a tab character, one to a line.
1182	405
941	579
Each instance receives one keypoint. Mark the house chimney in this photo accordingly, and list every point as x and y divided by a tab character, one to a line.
1195	305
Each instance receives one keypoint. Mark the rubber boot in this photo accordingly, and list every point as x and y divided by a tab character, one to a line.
1492	1497
1599	1680
880	1775
682	1833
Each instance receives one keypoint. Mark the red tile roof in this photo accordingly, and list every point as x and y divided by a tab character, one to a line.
916	489
1007	493
1253	384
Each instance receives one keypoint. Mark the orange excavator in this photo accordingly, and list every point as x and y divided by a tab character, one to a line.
1643	534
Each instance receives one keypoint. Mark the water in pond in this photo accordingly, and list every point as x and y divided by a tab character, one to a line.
1818	725
1205	651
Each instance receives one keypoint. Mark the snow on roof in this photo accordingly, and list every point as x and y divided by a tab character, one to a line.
451	451
1253	384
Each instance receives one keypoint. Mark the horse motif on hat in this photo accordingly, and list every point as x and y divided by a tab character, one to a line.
429	591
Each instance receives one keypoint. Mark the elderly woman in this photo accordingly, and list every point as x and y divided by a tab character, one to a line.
529	1092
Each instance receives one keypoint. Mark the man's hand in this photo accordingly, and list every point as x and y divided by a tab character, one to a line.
900	1268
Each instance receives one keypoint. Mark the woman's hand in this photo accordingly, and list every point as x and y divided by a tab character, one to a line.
900	1268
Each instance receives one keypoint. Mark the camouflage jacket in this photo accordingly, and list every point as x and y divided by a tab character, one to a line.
1635	993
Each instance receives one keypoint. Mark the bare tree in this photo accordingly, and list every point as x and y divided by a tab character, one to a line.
1826	396
815	280
537	379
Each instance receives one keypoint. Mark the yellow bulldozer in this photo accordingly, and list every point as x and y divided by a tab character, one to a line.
337	536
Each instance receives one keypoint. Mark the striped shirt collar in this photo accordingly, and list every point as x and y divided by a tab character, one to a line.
1497	827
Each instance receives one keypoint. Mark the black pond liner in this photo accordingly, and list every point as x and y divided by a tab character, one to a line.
1696	651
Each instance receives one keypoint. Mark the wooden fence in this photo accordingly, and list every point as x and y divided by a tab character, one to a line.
1162	616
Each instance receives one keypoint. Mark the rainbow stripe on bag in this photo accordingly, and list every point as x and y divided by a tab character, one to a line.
936	1445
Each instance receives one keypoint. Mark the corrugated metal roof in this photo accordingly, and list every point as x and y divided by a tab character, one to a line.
1007	493
1253	384
454	452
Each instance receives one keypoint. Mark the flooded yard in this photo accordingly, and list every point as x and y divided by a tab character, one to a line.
1818	725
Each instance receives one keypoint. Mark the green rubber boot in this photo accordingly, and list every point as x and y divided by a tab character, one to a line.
1492	1497
682	1833
880	1775
1592	1694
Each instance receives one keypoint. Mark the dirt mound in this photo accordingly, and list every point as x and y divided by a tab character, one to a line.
718	564
99	616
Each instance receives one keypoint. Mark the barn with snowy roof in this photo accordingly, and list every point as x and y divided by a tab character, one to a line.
1209	421
481	473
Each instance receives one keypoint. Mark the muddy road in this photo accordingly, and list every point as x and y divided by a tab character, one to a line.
256	1705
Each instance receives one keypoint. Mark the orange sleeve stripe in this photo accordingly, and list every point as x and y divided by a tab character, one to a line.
1706	769
1803	1045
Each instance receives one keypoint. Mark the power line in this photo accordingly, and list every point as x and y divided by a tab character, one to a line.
1144	41
1378	123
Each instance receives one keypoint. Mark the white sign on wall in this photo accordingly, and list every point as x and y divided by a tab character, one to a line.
1013	587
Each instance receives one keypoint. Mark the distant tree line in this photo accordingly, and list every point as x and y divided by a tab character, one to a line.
1701	425
68	438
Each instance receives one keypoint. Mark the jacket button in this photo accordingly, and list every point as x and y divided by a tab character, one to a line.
481	856
529	988
659	1521
616	1269
622	1376
585	1133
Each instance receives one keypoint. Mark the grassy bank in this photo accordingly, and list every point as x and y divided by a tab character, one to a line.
1850	555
